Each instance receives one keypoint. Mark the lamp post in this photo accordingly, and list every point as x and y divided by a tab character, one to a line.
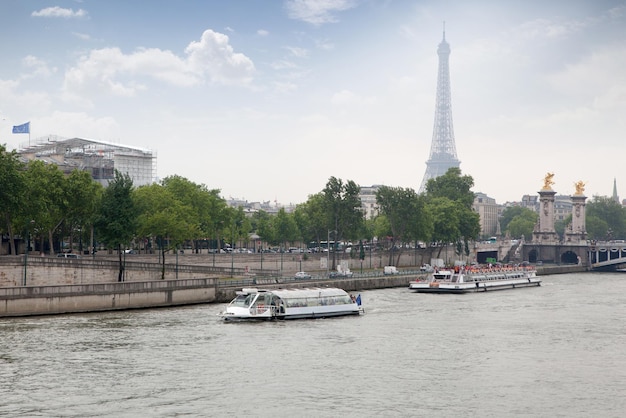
32	222
328	248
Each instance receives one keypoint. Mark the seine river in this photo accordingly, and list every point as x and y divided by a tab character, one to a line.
554	351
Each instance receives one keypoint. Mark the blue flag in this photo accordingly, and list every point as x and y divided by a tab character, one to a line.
22	129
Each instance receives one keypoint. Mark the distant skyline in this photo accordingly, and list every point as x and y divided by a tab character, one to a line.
267	100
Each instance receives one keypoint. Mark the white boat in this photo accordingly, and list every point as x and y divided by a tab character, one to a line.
465	280
259	304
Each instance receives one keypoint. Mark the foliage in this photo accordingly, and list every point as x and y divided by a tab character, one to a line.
342	207
518	221
116	222
454	186
12	191
449	201
611	212
46	194
405	212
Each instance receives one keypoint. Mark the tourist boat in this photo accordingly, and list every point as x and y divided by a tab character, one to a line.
258	304
465	280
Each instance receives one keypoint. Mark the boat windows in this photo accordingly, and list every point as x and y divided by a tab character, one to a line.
317	301
243	300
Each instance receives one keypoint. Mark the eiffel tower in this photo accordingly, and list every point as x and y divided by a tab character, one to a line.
442	149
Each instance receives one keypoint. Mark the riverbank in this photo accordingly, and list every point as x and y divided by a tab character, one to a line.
59	299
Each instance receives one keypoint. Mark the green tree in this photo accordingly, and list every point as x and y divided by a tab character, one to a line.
163	217
405	212
454	186
46	193
509	213
12	192
522	226
83	197
611	212
262	223
447	221
116	223
285	227
206	204
342	206
518	221
463	225
597	229
312	219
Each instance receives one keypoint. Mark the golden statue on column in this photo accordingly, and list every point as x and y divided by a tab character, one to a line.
580	188
548	182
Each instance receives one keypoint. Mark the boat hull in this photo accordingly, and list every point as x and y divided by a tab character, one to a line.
290	314
449	281
425	287
266	305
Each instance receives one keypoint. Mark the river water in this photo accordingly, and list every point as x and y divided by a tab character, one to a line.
554	351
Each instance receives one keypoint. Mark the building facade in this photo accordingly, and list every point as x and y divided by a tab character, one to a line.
101	159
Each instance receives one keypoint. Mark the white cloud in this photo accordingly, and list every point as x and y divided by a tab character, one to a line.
317	12
37	66
57	11
109	69
262	32
213	56
82	36
79	124
298	52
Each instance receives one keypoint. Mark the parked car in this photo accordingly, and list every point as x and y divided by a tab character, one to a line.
390	270
67	255
302	275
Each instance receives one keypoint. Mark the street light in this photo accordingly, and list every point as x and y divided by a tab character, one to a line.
328	248
32	222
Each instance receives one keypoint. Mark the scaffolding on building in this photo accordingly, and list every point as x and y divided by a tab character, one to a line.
99	158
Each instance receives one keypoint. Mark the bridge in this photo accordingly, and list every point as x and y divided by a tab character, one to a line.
607	255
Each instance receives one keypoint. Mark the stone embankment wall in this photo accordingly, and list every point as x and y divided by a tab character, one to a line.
50	271
46	300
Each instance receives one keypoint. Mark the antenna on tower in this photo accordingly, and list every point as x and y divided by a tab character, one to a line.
444	30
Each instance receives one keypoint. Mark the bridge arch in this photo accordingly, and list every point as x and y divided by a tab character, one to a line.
569	257
532	256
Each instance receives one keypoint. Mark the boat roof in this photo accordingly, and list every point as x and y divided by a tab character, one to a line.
313	292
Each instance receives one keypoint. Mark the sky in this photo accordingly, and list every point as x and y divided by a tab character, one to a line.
266	100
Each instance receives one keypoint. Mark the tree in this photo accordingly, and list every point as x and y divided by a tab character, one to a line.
522	225
597	229
608	210
285	228
162	216
342	206
312	219
454	186
12	191
405	212
452	189
447	223
206	204
117	216
46	191
518	221
509	213
83	196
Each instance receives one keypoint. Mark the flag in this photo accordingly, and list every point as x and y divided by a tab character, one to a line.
22	129
358	300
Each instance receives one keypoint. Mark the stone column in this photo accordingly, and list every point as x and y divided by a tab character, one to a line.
577	231
544	232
